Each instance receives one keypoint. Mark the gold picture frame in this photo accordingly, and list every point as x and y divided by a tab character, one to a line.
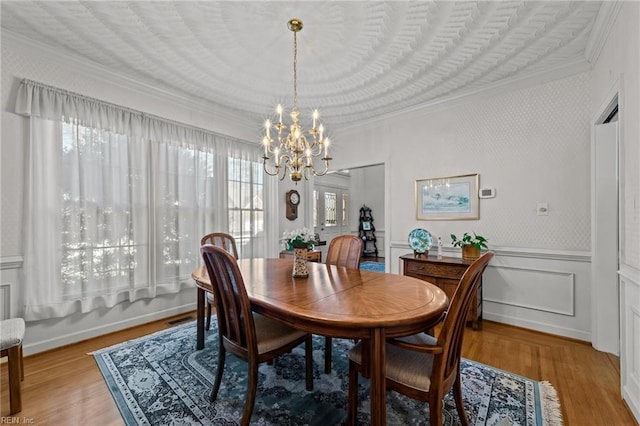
448	198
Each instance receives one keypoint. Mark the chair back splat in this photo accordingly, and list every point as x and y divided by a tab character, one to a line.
345	250
235	319
227	242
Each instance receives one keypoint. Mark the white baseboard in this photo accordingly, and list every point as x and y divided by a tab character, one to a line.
533	325
69	338
631	403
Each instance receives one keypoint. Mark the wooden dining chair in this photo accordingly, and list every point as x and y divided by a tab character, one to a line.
250	337
11	336
421	366
344	250
228	243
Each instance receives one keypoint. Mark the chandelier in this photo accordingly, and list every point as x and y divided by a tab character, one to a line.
292	150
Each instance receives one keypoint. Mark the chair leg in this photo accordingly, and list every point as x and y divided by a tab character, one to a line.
435	408
327	355
457	394
250	399
352	403
221	359
14	362
308	355
21	363
209	308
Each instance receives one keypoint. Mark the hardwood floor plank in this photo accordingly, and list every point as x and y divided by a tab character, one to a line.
64	386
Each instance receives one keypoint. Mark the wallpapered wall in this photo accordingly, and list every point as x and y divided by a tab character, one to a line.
532	145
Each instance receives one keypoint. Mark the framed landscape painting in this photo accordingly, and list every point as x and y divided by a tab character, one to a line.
447	198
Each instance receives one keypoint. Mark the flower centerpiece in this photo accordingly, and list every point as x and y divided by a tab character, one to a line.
299	238
300	241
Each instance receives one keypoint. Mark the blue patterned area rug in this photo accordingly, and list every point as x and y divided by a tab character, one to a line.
161	379
372	266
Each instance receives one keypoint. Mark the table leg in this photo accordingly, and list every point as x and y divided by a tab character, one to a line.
378	377
200	319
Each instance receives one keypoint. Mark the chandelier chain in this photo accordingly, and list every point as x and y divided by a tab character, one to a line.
295	70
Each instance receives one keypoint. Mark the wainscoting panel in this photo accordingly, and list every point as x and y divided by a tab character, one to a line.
549	291
10	267
5	301
630	338
539	289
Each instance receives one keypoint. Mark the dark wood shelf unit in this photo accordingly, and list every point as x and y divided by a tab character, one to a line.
367	233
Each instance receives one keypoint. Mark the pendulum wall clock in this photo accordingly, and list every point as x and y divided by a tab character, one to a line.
293	199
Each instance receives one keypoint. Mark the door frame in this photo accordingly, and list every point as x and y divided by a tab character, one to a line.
603	325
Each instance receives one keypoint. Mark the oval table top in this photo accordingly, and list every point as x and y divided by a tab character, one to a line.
337	301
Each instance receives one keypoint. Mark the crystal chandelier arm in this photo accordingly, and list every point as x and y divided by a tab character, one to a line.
276	168
326	167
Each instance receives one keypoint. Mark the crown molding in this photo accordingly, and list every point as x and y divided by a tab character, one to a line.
601	28
241	119
569	68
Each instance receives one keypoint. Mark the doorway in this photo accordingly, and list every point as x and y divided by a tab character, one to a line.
330	210
605	238
354	187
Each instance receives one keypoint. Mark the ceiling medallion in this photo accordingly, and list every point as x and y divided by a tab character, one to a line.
292	151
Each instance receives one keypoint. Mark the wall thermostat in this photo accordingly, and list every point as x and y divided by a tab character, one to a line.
487	192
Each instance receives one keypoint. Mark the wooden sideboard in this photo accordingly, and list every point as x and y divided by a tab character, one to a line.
445	273
312	255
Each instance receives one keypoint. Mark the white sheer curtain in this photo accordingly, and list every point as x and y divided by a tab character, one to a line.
117	201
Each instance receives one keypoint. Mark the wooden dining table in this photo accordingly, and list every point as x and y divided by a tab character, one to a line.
338	302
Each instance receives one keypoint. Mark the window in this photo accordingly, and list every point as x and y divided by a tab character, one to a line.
115	210
101	239
345	209
246	213
330	216
330	209
315	208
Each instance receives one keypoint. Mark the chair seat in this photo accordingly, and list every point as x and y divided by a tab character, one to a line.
273	334
11	333
409	368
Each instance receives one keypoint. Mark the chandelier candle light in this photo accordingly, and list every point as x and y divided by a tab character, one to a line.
293	151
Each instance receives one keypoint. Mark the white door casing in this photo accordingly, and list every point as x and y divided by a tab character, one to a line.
605	288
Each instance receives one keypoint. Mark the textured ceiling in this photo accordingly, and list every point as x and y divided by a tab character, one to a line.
356	59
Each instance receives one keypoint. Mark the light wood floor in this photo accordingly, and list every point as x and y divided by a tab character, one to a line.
65	387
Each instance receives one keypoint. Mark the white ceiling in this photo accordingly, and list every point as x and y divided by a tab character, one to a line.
356	59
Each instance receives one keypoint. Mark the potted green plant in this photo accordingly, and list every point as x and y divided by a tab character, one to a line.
470	245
